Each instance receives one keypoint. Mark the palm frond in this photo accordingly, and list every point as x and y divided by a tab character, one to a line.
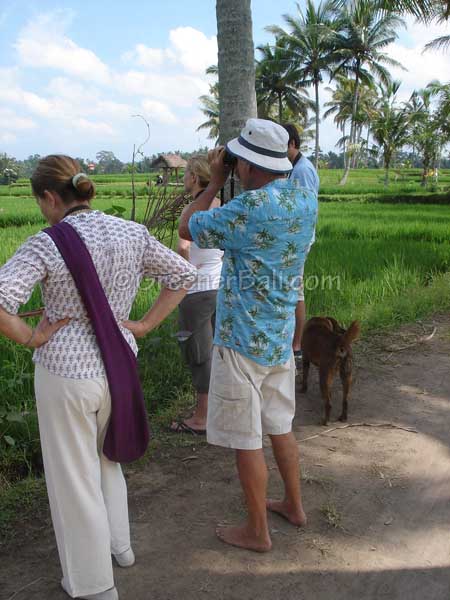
440	43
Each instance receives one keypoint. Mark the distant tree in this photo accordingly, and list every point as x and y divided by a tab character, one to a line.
9	169
108	163
430	131
83	164
6	161
390	127
28	165
333	160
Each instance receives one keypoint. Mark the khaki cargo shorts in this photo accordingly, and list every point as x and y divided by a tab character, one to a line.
247	400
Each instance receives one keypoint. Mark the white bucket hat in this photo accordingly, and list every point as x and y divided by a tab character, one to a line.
264	144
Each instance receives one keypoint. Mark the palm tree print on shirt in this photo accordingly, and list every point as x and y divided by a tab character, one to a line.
261	291
264	240
258	343
226	329
294	227
252	201
228	293
290	255
253	312
277	354
255	265
239	222
287	200
215	238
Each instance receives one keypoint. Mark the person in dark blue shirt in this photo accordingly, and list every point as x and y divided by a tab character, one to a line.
304	171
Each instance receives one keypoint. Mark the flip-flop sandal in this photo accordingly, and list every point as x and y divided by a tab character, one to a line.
181	427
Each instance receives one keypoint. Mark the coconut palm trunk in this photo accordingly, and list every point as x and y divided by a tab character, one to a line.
316	155
386	173
237	97
352	138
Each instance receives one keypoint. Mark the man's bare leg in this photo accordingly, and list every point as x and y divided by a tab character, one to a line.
286	454
254	534
300	318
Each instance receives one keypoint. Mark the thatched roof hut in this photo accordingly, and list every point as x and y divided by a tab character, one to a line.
169	163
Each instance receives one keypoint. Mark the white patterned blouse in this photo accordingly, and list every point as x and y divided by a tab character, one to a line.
123	253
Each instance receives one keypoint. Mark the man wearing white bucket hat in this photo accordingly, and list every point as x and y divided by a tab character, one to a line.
265	233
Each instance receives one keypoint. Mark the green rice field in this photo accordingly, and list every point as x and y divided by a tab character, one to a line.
382	263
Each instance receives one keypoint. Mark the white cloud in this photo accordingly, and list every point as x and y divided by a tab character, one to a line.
421	68
7	138
93	128
193	49
144	56
190	49
157	111
42	43
418	34
173	89
10	121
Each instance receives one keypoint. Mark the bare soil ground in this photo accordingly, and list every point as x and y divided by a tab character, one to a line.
378	500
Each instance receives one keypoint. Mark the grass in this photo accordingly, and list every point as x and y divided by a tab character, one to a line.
18	207
384	264
19	505
331	514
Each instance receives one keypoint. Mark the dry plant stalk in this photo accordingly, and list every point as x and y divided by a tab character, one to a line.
163	210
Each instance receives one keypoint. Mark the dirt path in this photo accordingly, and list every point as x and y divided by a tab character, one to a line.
378	502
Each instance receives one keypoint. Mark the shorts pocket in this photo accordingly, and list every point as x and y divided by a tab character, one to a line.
234	410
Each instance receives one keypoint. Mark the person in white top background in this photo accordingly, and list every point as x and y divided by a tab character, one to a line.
197	311
305	172
87	492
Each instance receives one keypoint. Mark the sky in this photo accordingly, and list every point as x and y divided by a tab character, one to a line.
73	73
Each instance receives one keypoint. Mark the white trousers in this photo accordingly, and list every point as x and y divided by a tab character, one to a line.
87	492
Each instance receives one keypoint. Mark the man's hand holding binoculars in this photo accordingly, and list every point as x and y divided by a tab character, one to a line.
221	163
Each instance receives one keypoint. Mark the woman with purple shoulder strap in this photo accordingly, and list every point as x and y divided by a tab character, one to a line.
89	399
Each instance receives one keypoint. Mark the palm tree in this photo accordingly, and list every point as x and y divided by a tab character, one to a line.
310	42
442	92
277	84
210	108
443	42
425	10
430	128
390	128
341	106
365	30
236	66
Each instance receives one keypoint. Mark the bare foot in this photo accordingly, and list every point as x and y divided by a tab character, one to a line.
242	538
294	515
195	423
189	426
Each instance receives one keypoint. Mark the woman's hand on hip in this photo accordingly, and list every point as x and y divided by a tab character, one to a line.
138	328
45	330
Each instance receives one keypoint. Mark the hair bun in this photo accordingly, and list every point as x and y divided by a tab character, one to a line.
83	185
76	178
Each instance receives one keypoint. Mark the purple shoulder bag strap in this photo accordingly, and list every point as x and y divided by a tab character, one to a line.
128	431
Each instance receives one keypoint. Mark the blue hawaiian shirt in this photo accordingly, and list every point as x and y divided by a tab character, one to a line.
265	235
